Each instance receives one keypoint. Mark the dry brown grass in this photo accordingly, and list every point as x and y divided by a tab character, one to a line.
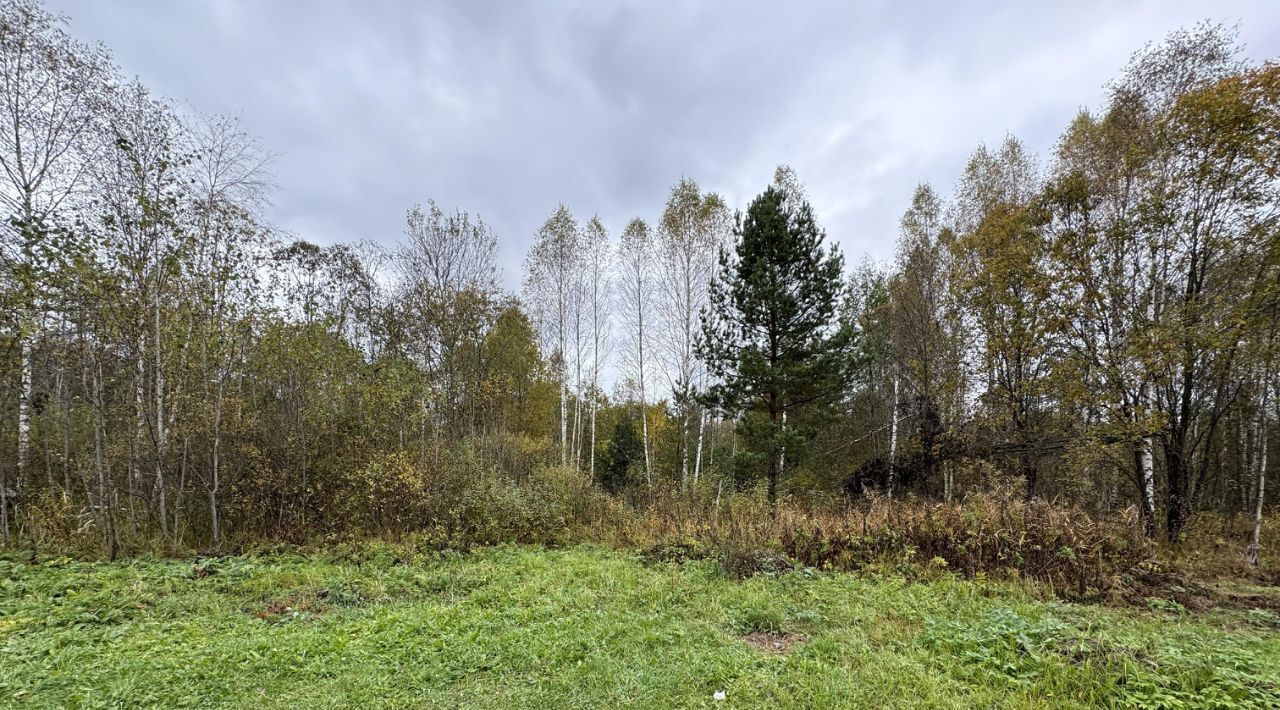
771	642
982	534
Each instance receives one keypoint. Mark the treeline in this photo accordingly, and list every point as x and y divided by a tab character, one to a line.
1098	331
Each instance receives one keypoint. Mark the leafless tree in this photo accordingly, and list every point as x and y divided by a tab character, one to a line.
635	278
550	295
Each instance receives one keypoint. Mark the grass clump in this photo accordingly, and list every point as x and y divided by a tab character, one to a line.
762	617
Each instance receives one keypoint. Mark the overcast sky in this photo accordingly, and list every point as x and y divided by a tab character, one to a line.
506	109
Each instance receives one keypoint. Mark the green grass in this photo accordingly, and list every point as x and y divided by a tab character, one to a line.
589	627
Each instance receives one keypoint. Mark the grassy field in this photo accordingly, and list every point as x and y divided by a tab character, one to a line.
590	627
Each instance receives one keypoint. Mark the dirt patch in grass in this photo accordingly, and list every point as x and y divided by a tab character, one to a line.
771	642
1173	591
293	607
1145	588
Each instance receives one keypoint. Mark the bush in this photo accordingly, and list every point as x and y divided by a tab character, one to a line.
739	562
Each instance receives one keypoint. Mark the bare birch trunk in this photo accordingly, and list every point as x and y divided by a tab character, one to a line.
140	424
644	412
893	436
1254	550
697	459
4	505
591	453
24	408
580	425
684	451
1149	484
105	500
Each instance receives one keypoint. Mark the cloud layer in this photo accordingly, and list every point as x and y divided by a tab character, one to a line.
507	109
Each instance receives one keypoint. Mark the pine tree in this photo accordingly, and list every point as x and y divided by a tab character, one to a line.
771	337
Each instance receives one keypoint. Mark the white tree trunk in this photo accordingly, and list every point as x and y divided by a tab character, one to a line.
140	422
1262	494
591	454
644	412
697	459
1254	551
644	429
98	443
684	452
579	431
24	409
893	436
711	446
1149	477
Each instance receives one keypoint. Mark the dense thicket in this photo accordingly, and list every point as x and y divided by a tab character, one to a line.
1099	330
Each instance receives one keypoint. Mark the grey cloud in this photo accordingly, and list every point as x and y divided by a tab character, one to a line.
506	109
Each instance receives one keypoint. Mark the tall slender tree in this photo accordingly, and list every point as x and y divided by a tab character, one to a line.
549	294
635	279
597	256
693	228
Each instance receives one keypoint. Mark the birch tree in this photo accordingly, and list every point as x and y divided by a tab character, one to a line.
550	295
51	91
925	337
1107	272
1210	206
597	264
141	185
694	226
636	291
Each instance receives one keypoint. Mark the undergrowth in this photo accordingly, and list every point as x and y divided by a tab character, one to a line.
993	533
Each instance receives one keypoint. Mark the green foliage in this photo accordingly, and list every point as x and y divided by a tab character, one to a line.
1002	644
625	451
1169	605
1004	647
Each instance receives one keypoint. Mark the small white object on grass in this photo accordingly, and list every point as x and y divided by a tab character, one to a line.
719	695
